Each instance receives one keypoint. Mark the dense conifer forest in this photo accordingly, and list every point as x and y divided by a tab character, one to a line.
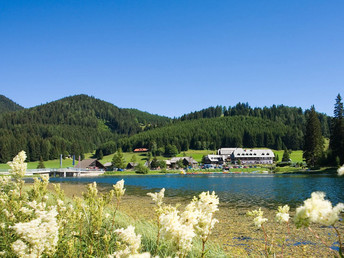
7	105
80	124
72	125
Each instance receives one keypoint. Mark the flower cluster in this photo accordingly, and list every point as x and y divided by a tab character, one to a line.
119	189
258	217
181	228
201	211
18	166
282	214
158	197
40	234
318	210
174	227
132	242
340	171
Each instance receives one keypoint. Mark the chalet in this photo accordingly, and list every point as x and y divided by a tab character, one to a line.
251	156
131	165
213	159
187	161
90	164
141	150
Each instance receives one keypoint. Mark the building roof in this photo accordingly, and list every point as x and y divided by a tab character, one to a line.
258	153
86	163
188	159
226	151
215	158
140	150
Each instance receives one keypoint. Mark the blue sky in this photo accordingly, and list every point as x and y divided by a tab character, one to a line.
173	57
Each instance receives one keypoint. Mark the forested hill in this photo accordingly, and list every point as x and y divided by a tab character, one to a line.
148	119
8	105
72	125
214	133
292	116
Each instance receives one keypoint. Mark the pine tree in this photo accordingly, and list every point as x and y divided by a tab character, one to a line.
40	163
286	157
314	142
337	131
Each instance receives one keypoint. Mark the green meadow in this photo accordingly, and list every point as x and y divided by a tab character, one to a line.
296	156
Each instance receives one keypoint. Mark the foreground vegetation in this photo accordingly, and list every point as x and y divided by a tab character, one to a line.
35	222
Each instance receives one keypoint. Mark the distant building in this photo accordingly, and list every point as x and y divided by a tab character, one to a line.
141	150
90	164
253	156
131	165
187	161
246	156
213	159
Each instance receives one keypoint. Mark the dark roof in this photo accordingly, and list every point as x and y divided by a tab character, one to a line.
86	163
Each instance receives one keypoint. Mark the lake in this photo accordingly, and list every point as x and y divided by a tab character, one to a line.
242	190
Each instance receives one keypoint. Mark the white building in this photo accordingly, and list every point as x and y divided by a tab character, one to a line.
253	156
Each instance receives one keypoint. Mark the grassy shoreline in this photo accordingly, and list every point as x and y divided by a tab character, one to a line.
235	233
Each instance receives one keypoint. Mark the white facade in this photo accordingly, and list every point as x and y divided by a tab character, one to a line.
252	156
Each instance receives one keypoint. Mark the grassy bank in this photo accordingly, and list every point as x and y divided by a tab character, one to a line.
296	156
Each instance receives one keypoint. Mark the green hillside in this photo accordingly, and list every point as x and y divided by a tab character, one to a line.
7	105
72	125
214	133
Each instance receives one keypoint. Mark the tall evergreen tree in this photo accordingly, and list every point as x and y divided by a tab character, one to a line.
314	142
286	156
118	160
40	163
337	131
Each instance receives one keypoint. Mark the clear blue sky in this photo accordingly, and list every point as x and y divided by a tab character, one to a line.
173	57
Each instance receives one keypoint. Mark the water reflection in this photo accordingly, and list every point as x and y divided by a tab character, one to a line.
240	190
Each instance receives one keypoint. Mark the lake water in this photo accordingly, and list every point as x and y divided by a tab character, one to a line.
233	189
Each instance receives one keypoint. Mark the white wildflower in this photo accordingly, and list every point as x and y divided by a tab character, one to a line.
282	214
130	239
119	188
143	255
40	233
92	189
4	181
2	225
258	217
20	248
158	197
45	178
45	198
173	228
200	213
340	171
26	211
107	215
318	210
18	167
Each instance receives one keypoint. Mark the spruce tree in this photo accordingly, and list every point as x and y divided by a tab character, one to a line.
314	142
40	163
337	131
286	156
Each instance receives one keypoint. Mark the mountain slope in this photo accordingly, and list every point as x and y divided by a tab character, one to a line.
213	133
8	105
72	125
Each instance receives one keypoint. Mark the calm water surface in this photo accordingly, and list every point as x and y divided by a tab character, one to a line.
240	190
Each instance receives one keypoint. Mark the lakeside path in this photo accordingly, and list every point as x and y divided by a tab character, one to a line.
235	232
